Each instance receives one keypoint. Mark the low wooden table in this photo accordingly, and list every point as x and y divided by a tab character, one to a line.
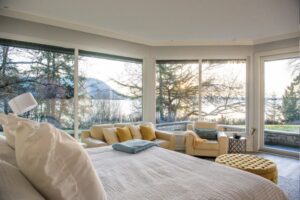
250	163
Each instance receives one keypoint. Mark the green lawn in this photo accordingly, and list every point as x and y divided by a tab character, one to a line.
290	128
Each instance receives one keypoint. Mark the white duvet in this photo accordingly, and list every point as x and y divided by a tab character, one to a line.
160	174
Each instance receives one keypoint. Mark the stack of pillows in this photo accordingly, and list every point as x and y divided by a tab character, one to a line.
115	135
54	163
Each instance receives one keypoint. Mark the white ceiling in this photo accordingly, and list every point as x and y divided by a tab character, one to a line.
167	22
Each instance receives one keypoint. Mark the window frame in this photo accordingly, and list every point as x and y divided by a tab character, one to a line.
249	89
263	57
76	53
106	56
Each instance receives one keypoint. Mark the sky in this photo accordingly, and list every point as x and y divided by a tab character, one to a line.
278	75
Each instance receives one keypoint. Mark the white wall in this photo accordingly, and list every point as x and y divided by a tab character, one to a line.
39	33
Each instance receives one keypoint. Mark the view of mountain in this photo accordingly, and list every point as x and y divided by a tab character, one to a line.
98	89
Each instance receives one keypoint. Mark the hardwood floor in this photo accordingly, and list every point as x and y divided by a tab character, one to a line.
287	166
288	174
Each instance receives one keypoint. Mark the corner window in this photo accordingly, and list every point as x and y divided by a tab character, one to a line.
45	71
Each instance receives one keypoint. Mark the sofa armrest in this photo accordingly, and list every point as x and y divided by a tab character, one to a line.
189	137
85	134
223	143
91	142
164	135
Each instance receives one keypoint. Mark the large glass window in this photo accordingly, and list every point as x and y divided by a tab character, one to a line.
110	89
223	94
177	91
47	72
282	104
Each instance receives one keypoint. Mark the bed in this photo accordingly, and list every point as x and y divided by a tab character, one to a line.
153	174
160	174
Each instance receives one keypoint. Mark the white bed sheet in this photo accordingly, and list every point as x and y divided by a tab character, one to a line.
160	174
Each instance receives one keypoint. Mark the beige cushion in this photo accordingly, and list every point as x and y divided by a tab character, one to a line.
121	125
91	142
56	164
6	152
97	131
148	124
135	131
208	145
110	135
13	185
210	125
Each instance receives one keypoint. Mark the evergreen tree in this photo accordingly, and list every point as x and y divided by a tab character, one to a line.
291	101
273	110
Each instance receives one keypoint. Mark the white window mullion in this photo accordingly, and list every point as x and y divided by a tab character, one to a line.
200	90
76	122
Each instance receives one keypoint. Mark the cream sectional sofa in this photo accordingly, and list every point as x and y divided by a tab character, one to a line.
95	137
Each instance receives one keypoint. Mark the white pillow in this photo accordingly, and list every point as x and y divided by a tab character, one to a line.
13	185
56	164
135	131
6	152
10	124
110	135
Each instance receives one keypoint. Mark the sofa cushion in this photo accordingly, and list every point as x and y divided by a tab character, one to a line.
13	185
162	143
91	142
121	125
56	164
110	135
124	134
207	133
208	145
135	132
97	131
147	132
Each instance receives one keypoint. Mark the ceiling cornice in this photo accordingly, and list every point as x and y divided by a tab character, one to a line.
107	33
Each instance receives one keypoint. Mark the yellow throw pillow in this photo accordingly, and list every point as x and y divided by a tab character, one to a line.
124	134
147	132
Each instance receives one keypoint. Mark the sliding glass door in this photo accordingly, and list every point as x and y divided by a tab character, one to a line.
282	104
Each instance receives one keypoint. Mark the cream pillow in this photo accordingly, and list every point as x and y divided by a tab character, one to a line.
56	164
10	124
135	131
6	152
13	185
110	135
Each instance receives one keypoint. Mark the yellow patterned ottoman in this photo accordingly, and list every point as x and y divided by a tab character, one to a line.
250	163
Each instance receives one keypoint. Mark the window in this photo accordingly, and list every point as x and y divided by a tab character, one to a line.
282	103
110	89
177	91
223	92
45	71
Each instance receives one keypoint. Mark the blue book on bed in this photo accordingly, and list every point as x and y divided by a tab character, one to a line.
133	146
